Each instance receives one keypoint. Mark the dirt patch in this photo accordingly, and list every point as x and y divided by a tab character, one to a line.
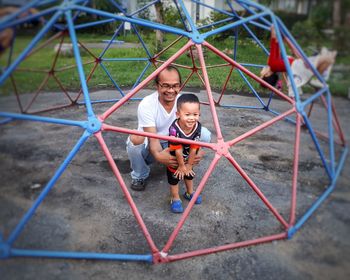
86	210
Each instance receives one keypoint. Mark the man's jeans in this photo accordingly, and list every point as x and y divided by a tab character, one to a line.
140	156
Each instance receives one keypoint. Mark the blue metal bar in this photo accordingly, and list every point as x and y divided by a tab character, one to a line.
296	45
79	63
330	131
245	6
89	24
112	80
181	16
215	23
115	4
313	97
141	40
8	24
256	39
251	88
26	117
78	255
213	8
318	147
126	59
36	39
142	74
110	42
144	7
48	187
285	60
288	119
108	101
24	8
188	17
318	202
252	65
232	25
242	107
6	120
145	23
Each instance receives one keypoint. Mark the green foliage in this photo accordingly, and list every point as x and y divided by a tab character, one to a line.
341	40
289	19
306	31
321	14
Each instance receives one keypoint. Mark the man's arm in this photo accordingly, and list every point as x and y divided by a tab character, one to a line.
160	155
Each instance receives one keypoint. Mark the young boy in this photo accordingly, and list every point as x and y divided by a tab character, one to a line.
185	126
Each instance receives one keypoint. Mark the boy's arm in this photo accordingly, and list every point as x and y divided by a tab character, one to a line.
191	160
181	169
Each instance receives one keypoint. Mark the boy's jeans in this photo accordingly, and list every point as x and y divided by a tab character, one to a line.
140	156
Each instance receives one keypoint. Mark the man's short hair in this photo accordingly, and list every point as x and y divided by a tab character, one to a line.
186	98
169	68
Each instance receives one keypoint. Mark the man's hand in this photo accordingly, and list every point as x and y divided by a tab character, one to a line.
166	158
199	156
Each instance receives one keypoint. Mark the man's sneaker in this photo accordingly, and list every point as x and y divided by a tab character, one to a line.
189	197
138	184
176	206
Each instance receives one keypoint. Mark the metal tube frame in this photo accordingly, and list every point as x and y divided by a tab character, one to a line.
94	126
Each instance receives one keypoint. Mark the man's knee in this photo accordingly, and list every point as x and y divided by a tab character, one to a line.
205	135
137	139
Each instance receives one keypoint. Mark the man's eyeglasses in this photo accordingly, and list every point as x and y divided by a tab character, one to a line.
175	87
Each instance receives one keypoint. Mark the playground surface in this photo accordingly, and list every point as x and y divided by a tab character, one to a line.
86	210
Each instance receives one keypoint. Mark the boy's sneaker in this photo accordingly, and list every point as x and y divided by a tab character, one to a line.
138	184
176	206
189	197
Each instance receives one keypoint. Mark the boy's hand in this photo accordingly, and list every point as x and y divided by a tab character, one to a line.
180	172
189	170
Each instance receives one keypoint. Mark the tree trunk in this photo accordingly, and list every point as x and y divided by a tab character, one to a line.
159	33
336	13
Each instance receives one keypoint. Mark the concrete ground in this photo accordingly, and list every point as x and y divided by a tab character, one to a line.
86	210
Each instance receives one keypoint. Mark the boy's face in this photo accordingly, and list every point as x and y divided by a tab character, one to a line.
188	115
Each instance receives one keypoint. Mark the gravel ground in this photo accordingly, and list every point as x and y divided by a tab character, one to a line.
86	210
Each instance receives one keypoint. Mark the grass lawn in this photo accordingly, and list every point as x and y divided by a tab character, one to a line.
31	73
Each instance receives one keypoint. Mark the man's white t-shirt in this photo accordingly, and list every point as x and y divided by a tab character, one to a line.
151	113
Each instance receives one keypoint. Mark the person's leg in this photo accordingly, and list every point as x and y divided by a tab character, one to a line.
205	135
139	157
175	202
190	191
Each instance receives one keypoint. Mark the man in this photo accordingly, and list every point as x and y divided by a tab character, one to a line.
155	114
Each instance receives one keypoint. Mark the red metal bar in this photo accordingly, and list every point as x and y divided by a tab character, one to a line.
225	85
226	247
145	81
260	127
168	47
13	82
107	127
87	81
43	83
256	190
50	109
125	190
62	87
190	205
47	42
73	66
210	95
247	72
295	170
335	120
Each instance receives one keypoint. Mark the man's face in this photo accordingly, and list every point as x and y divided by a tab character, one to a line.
168	86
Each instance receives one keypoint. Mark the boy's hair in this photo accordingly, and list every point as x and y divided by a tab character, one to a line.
169	68
272	80
186	98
